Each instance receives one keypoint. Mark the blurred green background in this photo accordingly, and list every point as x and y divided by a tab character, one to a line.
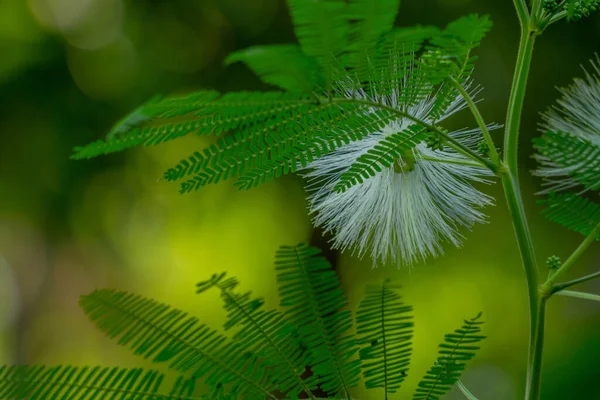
70	68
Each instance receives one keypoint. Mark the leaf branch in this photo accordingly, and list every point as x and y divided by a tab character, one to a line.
480	122
579	295
591	237
453	143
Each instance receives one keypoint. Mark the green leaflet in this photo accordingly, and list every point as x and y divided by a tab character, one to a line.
203	113
322	30
451	56
346	48
332	134
383	155
265	333
394	61
268	352
260	155
457	349
368	20
570	159
384	329
281	65
156	330
83	383
272	141
574	212
311	295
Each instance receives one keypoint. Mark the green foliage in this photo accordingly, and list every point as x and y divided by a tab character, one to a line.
390	149
261	153
82	383
203	113
322	30
574	160
369	21
306	347
281	65
319	315
154	330
451	57
457	349
572	211
385	330
265	333
346	48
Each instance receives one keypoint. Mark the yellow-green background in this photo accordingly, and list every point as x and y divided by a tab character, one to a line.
70	68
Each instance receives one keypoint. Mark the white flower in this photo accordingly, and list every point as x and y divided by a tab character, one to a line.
577	114
402	214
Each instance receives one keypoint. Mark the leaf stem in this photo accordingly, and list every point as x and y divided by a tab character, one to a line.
477	115
449	161
455	144
547	287
579	295
562	286
465	391
510	182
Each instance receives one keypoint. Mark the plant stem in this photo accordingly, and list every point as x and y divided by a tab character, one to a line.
475	111
522	12
562	286
510	182
465	163
455	144
465	391
547	288
579	295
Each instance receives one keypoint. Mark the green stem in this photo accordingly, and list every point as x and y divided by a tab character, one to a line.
465	391
510	182
475	111
562	286
579	295
455	144
455	162
534	382
522	12
547	287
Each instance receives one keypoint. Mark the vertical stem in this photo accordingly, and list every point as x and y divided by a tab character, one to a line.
510	181
534	383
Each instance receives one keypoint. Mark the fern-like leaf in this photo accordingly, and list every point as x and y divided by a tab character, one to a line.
203	113
384	328
574	212
262	154
567	161
265	333
281	65
393	66
310	292
383	155
369	21
321	139
82	383
322	30
155	330
457	349
232	156
451	56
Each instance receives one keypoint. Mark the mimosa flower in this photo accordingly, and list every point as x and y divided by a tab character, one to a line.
578	115
406	212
